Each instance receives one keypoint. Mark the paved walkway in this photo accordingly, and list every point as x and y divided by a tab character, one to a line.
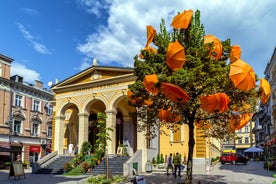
252	173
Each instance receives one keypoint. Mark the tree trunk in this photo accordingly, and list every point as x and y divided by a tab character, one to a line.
189	172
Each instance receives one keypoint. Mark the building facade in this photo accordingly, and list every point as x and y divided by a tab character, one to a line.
79	98
25	118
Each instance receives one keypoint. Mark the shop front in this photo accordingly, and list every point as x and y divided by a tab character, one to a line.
34	153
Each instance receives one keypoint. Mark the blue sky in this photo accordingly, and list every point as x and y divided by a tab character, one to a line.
55	39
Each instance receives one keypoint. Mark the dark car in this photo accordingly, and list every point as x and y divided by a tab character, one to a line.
232	158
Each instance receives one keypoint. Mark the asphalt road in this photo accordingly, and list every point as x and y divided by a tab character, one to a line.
252	173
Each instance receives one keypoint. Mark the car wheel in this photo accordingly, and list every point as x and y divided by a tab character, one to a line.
222	163
244	163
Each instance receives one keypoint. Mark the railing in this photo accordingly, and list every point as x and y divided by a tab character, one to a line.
134	161
45	160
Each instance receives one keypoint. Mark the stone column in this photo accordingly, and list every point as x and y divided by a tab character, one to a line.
83	129
142	143
129	134
59	133
111	123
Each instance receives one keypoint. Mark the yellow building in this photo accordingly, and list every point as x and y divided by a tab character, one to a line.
104	89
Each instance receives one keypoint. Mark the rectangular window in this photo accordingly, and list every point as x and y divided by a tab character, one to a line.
18	101
50	109
36	105
246	128
35	129
240	130
246	141
49	132
17	127
240	141
177	134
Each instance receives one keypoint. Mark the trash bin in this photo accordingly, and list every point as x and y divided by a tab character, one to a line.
148	166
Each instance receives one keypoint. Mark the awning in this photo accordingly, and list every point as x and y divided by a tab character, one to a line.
271	142
10	150
35	149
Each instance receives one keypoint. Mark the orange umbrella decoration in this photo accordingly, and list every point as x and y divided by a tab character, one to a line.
149	83
148	102
175	57
265	90
150	34
235	53
168	116
148	49
217	47
237	122
216	102
131	99
182	20
174	93
242	75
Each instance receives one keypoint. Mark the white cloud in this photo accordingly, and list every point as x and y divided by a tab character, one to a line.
249	23
30	11
36	45
94	6
28	75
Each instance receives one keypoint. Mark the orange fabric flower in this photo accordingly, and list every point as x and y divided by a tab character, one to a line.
235	53
149	83
150	34
174	93
264	90
168	116
242	75
182	20
216	52
216	102
175	57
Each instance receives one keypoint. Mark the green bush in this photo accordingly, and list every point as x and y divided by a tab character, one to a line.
68	166
75	171
162	158
101	179
153	161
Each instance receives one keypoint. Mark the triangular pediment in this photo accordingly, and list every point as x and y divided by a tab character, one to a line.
94	75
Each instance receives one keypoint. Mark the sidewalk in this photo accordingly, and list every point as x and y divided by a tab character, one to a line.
252	173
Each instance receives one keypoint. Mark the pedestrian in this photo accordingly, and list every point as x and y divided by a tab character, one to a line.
169	164
177	162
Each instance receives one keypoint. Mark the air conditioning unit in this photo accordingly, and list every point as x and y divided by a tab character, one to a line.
43	141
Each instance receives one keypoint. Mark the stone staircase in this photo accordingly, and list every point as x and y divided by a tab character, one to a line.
55	166
115	166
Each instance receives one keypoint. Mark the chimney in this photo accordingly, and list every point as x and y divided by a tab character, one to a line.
38	84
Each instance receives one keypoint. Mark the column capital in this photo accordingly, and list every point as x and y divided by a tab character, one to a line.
111	112
60	117
84	114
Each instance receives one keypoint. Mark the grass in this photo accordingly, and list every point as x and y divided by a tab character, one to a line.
77	171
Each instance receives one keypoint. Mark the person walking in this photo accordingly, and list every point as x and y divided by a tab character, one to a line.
169	164
177	162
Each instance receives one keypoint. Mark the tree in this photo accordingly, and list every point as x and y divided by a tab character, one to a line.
200	72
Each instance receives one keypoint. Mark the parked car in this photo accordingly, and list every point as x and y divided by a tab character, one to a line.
232	158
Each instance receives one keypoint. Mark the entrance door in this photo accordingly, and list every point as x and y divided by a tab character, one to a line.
119	129
93	130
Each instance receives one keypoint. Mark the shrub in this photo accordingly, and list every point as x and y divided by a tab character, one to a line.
153	161
68	166
158	159
162	158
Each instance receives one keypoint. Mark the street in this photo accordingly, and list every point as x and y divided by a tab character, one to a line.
252	173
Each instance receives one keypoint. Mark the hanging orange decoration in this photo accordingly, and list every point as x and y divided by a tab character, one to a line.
175	57
150	34
264	90
148	49
174	93
242	75
216	52
217	102
148	102
235	53
237	122
168	116
132	99
149	83
182	20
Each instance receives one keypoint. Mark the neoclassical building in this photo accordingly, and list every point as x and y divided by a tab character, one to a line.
79	98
